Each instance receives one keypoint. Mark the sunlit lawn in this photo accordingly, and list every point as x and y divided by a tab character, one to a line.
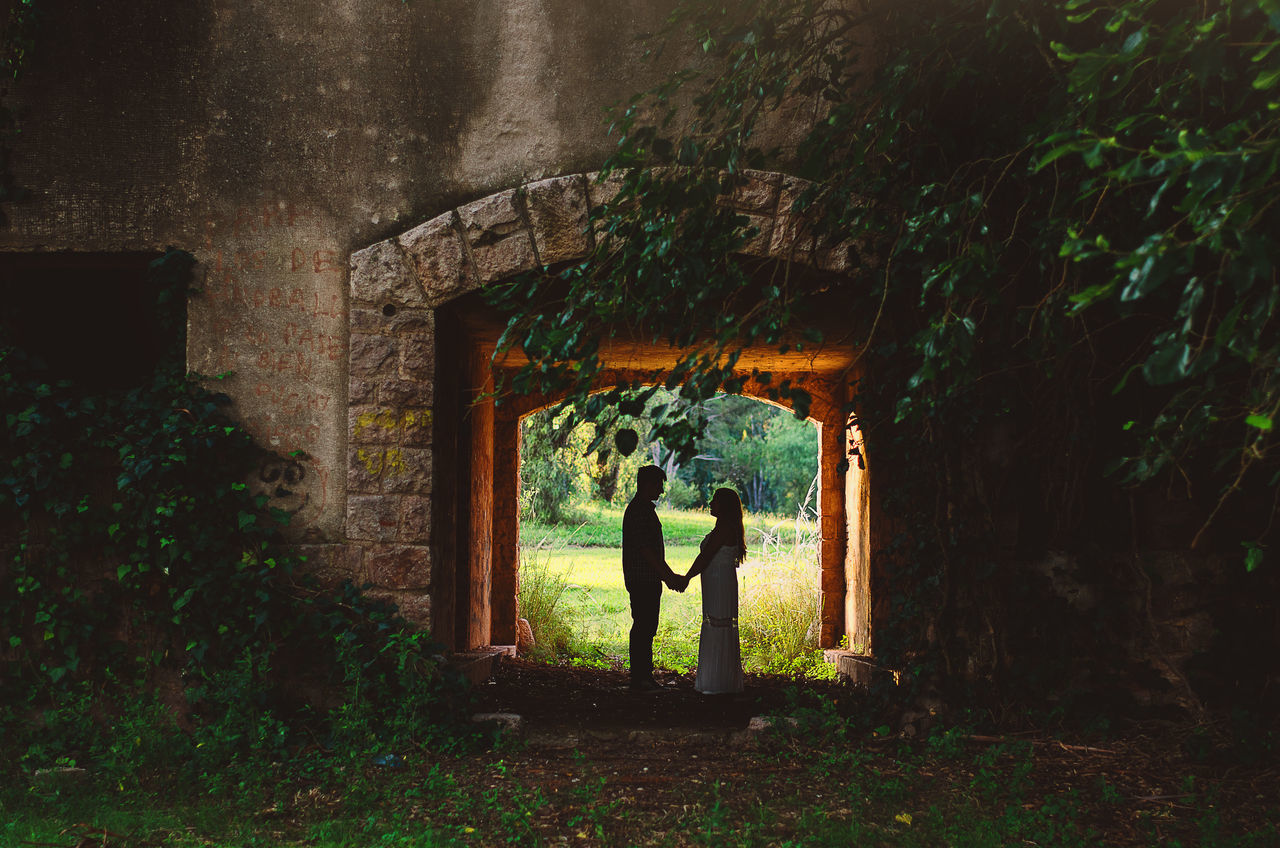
596	603
588	557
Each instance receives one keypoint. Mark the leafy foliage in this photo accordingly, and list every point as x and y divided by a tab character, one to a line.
1063	212
760	451
134	554
764	453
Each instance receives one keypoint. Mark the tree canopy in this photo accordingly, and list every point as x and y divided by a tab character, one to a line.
760	451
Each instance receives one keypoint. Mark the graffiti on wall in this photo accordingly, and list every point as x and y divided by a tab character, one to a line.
271	316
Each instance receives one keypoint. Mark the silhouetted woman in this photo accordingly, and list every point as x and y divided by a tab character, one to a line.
721	552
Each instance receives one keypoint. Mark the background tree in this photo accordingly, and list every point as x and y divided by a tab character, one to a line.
764	453
760	451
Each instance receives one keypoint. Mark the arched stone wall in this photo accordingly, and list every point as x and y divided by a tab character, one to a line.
448	557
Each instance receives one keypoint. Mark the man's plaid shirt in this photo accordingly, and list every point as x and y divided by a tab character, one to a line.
641	530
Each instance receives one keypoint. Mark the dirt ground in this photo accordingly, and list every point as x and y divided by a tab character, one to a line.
565	699
655	757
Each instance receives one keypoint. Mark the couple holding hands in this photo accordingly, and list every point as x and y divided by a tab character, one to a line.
645	570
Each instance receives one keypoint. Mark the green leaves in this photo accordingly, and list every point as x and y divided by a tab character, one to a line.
1253	556
625	440
1267	79
1261	422
123	493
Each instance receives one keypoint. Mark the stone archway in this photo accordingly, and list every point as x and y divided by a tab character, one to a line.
433	461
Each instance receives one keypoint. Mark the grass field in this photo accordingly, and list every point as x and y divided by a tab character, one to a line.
778	588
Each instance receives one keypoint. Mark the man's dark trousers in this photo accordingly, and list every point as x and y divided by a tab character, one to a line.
646	596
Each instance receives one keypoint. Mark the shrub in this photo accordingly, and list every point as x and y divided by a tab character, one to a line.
132	553
539	602
681	495
780	603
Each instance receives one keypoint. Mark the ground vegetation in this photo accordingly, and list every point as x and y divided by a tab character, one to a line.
595	766
572	593
151	613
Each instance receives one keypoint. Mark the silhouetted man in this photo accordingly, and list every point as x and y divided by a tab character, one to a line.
645	569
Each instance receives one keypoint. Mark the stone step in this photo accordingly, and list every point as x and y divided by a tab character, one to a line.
479	664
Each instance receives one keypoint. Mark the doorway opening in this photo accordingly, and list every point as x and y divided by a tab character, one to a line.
477	437
571	594
454	528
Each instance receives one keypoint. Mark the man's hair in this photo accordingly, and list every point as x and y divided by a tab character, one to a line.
649	472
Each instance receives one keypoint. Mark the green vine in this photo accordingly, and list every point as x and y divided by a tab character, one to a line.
132	553
1064	215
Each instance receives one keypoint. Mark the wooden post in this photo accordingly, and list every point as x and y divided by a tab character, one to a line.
481	524
448	503
857	604
831	511
506	526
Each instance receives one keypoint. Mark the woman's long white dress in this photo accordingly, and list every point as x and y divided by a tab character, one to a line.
719	655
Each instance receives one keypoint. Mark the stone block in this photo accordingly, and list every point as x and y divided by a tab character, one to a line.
413	605
511	724
399	566
791	238
364	469
406	393
61	777
858	669
490	218
407	471
758	244
789	242
373	518
331	565
415	323
440	259
415	427
380	425
840	258
373	425
371	355
365	320
415	519
525	641
501	244
505	257
362	391
417	359
757	191
599	193
764	724
380	274
558	215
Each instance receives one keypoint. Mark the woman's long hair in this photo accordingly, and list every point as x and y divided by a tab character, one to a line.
731	514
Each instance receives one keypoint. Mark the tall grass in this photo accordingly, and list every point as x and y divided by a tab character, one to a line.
541	591
585	619
780	602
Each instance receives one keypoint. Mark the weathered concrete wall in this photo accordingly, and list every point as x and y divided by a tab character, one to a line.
273	139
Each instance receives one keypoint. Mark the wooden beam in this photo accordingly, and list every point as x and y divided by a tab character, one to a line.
506	527
481	519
